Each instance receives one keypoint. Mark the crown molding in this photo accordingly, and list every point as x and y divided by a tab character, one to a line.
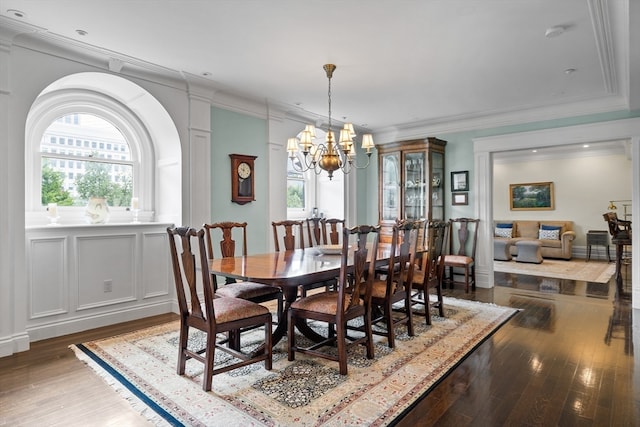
495	119
599	10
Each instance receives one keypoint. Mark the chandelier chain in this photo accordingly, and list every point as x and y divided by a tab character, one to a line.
329	96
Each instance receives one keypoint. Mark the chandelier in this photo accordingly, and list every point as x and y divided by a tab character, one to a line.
329	156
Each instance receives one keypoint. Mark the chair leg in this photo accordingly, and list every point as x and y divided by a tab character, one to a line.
466	280
342	347
209	357
391	334
182	355
368	333
409	313
427	306
440	299
473	278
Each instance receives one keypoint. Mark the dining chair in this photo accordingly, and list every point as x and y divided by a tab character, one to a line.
201	310
466	230
621	236
346	302
332	230
315	231
430	271
291	229
252	291
395	284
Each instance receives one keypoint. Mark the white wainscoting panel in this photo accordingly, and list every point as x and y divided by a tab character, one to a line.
48	277
82	277
156	265
105	270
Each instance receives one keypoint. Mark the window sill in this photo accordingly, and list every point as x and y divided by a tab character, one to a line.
109	225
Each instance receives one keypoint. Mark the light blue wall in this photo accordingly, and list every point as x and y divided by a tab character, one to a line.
238	133
234	133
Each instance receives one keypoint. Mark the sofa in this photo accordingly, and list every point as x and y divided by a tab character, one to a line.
556	236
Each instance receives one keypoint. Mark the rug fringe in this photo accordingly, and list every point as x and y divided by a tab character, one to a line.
135	403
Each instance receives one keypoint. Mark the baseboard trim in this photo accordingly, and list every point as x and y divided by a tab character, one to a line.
79	324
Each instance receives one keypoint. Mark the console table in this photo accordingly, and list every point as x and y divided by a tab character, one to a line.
598	238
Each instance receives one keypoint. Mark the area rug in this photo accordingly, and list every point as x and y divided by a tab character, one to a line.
306	392
599	272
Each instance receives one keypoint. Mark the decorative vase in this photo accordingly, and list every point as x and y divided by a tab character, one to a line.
97	211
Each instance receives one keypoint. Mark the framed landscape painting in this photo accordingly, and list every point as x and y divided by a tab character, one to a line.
536	196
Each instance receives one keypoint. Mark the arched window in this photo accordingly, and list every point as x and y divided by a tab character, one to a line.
99	135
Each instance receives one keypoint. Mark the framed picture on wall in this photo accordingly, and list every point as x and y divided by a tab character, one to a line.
459	198
460	181
535	196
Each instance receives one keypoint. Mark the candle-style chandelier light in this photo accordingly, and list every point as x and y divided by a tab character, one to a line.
329	156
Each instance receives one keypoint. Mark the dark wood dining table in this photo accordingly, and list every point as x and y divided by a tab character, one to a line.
289	270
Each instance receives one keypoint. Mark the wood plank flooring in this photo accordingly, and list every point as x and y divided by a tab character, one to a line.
566	359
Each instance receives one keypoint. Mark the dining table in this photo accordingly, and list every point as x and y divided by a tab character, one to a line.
290	270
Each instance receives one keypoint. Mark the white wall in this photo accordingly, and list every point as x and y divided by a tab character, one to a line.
583	187
26	69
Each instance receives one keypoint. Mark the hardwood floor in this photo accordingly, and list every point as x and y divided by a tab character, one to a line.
566	359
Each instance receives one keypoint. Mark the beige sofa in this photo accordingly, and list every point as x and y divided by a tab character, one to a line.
529	230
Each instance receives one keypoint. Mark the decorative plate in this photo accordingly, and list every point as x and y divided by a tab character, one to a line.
329	249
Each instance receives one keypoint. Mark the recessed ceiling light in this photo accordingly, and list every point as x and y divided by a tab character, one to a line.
585	146
554	31
570	71
81	33
206	74
17	13
534	151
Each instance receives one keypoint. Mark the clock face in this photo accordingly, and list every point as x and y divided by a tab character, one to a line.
244	170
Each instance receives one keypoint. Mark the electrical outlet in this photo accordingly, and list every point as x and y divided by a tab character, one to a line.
108	285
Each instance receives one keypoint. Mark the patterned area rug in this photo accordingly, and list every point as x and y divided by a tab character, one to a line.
307	392
599	272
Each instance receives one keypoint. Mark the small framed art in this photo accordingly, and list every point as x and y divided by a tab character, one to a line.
459	198
460	181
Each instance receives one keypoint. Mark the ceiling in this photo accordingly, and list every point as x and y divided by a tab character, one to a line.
400	63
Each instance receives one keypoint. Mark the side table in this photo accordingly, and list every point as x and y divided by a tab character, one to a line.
599	238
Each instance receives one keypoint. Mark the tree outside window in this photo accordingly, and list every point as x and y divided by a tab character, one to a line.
94	176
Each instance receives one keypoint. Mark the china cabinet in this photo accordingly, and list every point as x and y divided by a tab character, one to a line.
411	180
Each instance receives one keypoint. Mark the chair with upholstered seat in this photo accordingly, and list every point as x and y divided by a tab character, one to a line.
466	231
323	231
346	302
252	291
200	309
431	269
395	284
314	231
332	230
291	229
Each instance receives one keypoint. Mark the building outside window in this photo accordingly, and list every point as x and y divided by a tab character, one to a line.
100	178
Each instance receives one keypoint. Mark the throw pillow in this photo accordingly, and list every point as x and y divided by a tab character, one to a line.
550	227
503	232
504	225
549	234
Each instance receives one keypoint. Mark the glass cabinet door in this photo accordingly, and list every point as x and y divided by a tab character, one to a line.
390	188
415	185
437	186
